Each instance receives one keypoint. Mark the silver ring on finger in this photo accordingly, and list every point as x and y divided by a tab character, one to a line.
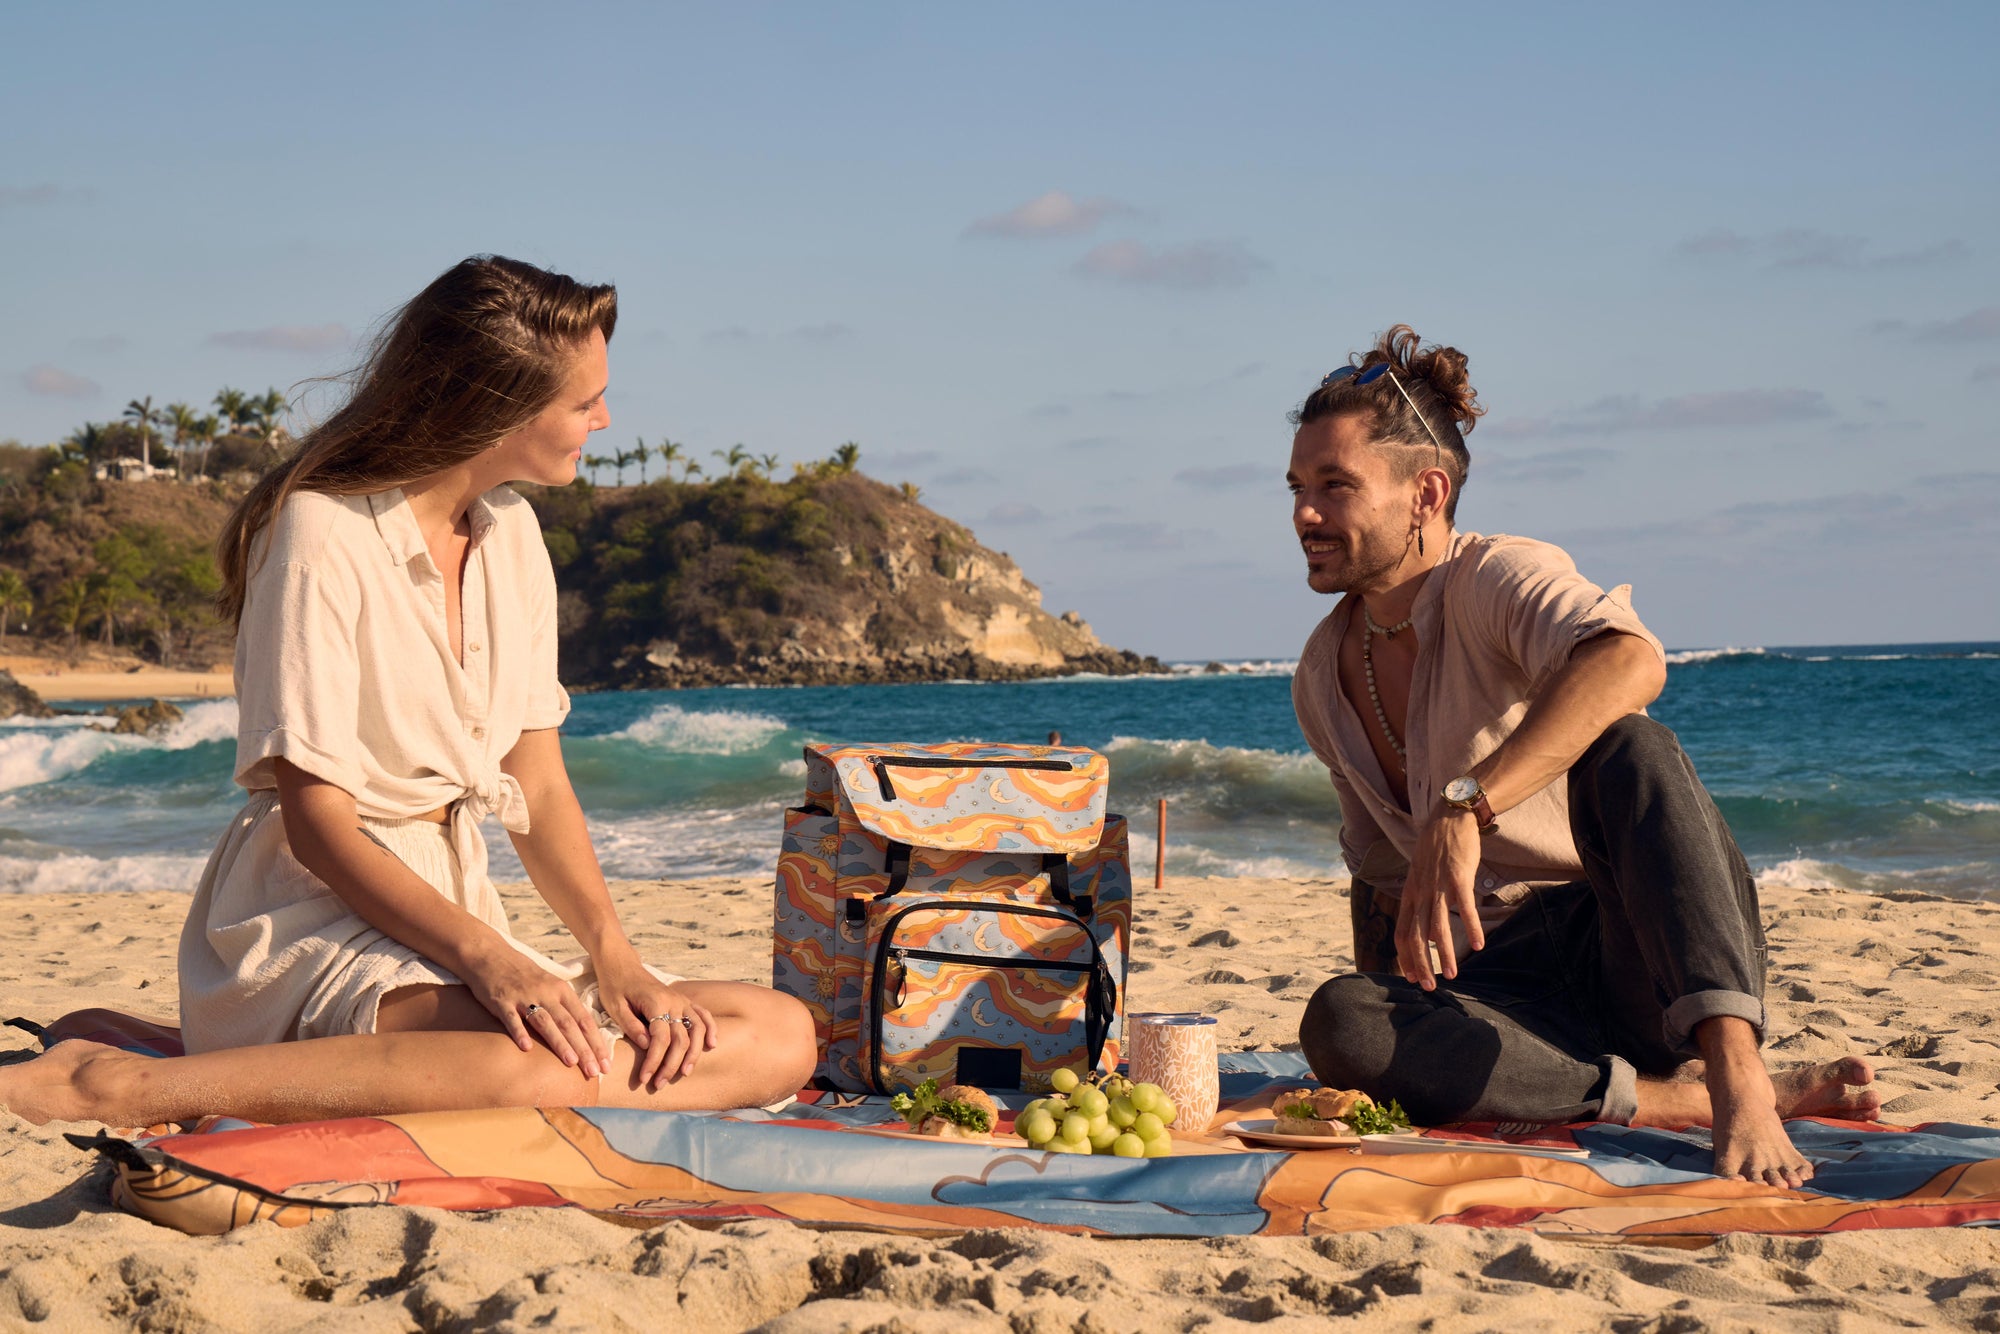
668	1018
532	1009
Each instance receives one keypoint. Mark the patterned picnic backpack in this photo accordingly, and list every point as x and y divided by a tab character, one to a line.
960	911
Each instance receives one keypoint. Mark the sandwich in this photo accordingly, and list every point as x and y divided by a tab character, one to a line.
956	1111
1336	1113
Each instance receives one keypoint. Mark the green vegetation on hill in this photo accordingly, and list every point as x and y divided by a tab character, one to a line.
824	577
129	564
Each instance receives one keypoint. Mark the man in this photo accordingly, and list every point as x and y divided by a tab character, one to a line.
1505	801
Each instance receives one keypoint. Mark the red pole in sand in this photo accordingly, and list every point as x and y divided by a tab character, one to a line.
1160	849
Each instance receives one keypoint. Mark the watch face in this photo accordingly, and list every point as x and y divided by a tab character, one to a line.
1462	791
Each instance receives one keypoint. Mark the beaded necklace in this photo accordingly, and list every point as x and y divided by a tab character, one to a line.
1368	670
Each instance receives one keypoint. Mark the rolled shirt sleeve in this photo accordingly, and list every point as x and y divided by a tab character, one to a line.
1532	605
300	698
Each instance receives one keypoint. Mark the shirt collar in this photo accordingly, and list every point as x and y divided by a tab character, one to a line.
399	531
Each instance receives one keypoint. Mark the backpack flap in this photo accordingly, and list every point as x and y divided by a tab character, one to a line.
967	796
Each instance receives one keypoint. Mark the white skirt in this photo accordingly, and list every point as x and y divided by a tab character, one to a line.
270	954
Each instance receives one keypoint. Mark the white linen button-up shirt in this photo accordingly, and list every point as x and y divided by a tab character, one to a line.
344	668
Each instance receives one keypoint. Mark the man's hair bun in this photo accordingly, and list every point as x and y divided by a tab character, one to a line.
1426	399
1439	369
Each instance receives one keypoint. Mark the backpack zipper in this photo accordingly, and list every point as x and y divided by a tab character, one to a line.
1098	1008
882	765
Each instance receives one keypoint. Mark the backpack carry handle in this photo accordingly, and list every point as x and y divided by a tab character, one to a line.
896	860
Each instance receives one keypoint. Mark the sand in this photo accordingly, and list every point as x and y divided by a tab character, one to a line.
1909	982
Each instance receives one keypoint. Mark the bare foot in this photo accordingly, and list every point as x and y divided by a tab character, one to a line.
1836	1089
1749	1135
65	1083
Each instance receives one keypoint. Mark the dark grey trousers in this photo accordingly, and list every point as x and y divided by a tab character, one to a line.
1587	984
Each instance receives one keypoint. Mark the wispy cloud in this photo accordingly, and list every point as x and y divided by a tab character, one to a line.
1196	264
734	333
1980	325
823	334
1014	512
284	338
104	344
1807	248
1144	536
55	382
963	477
1557	465
1056	213
1230	475
907	458
1723	409
1943	505
30	196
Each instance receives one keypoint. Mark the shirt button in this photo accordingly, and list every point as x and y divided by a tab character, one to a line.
472	648
479	734
1489	882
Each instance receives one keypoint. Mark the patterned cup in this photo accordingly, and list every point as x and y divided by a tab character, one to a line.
1177	1052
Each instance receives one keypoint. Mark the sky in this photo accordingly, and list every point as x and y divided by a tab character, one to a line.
1726	274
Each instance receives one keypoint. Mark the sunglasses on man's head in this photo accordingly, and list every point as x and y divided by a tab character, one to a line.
1356	375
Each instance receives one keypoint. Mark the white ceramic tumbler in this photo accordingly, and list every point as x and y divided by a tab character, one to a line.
1177	1052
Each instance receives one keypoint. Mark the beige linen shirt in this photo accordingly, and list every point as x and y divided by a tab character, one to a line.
1496	619
344	667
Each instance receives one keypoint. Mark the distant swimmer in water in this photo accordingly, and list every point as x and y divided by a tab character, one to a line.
346	952
1055	738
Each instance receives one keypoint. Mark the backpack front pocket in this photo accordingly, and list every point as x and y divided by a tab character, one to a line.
995	994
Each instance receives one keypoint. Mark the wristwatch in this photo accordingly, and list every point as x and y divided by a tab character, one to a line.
1466	794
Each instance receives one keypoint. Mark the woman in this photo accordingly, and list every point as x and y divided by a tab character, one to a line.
396	667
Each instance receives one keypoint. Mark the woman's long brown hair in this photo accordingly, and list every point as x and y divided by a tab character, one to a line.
470	359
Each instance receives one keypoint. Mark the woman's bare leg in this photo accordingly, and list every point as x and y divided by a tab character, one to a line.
765	1051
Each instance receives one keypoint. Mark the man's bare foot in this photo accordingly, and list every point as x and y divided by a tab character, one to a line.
1749	1135
69	1082
1839	1090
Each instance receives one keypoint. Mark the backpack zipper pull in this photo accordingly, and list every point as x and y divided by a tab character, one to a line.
882	777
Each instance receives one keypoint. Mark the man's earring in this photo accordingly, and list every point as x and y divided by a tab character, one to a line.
1420	541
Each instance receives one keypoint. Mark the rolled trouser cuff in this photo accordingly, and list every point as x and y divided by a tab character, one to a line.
1620	1102
1684	1014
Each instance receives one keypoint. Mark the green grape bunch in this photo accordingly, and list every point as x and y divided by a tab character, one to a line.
1106	1114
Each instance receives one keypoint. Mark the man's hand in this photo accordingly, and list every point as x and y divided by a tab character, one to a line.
1440	882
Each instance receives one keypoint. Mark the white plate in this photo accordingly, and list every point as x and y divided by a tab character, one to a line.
1406	1141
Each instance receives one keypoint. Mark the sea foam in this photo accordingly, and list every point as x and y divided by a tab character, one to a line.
688	732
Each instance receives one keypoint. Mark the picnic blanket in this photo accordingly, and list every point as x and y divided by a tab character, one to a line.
839	1160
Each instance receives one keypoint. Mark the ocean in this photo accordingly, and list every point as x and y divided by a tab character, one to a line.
1874	767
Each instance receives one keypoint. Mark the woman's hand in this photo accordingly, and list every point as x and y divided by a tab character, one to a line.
1440	881
661	1019
533	1003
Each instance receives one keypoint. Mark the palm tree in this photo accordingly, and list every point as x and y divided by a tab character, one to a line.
68	608
593	462
234	405
691	470
142	414
267	412
14	597
846	457
912	492
620	458
105	600
87	440
203	433
735	458
668	452
639	455
183	421
767	464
